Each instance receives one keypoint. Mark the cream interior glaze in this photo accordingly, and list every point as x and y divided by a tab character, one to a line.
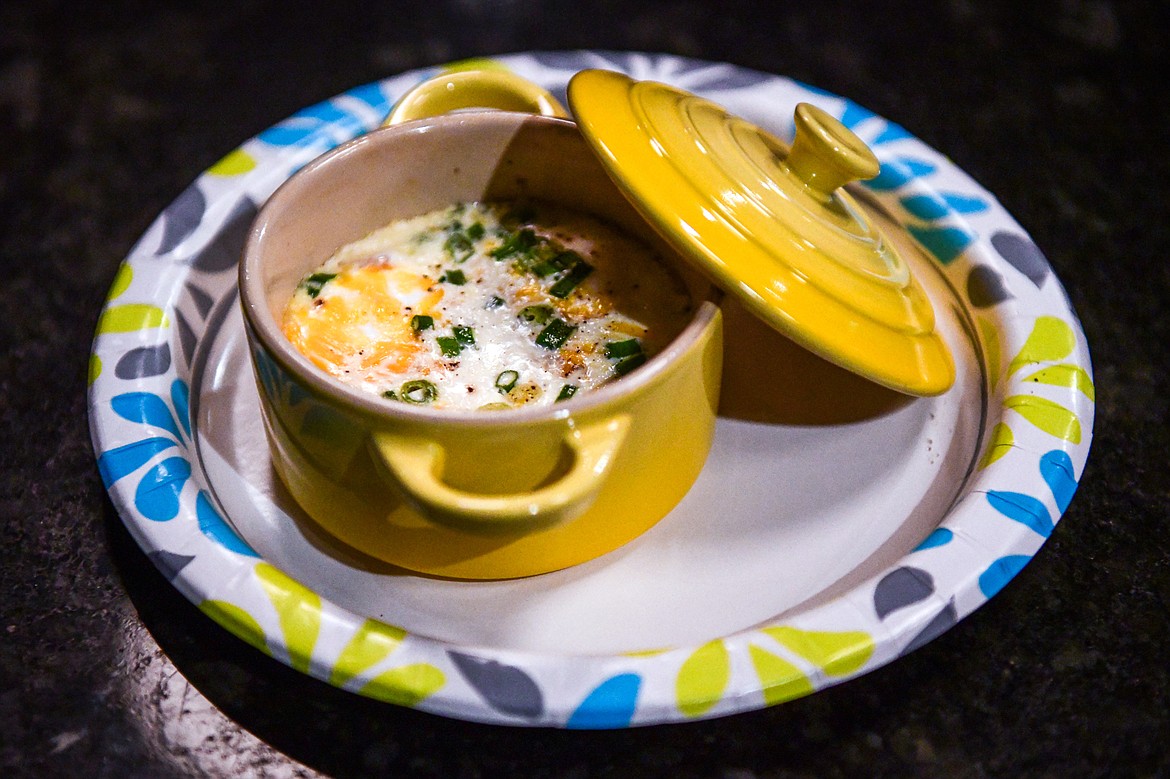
487	306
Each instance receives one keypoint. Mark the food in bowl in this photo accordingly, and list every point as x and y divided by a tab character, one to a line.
487	305
471	495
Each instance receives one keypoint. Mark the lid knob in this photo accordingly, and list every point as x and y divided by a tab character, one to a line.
826	154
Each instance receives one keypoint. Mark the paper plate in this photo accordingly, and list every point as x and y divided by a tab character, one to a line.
835	528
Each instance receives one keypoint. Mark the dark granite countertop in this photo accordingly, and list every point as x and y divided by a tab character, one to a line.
108	111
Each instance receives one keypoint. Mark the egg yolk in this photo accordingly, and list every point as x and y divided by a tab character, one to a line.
361	323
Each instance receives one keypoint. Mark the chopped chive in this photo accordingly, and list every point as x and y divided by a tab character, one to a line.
565	259
390	395
529	259
476	231
495	301
570	280
553	258
458	246
463	334
420	322
537	314
506	381
454	276
419	391
515	243
627	364
505	249
554	334
450	347
617	349
314	283
567	391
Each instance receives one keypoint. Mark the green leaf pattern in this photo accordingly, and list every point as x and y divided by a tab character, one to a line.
299	615
1000	443
780	680
705	675
299	610
702	679
1049	344
370	645
237	621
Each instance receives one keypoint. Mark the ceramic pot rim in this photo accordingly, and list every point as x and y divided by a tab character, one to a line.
262	326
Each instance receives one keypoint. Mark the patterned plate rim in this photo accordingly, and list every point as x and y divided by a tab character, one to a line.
1036	438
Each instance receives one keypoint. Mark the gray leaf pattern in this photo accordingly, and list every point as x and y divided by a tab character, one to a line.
181	218
901	587
169	563
986	287
223	252
942	622
187	337
1023	255
505	688
143	362
203	301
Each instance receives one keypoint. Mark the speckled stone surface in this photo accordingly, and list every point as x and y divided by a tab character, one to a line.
108	111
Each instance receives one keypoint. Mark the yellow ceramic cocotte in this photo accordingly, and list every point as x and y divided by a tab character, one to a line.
526	491
470	494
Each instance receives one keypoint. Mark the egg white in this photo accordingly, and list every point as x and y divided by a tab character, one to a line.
629	294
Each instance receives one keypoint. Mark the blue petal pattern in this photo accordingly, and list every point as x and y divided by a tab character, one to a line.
301	126
945	243
925	206
211	524
939	206
1022	508
896	172
180	399
1057	469
157	496
146	409
855	114
326	123
1000	573
938	537
963	204
610	705
116	463
893	132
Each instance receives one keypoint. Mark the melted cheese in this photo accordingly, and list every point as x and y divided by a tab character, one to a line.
485	310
